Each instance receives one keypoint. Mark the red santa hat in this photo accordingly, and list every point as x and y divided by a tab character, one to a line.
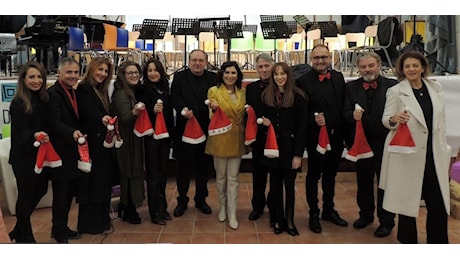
219	122
193	134
402	141
160	126
271	145
323	140
46	156
251	125
84	163
142	126
113	137
360	148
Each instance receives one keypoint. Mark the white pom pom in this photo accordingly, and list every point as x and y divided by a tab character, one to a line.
246	106
316	114
406	109
206	102
37	143
110	127
183	112
358	107
160	101
259	121
140	105
81	140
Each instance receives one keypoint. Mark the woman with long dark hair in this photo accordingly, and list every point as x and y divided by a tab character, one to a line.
30	116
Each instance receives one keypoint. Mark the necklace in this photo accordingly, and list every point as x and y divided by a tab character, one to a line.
418	92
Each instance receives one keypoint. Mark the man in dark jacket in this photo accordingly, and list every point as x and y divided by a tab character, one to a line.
65	140
189	90
264	63
369	91
325	89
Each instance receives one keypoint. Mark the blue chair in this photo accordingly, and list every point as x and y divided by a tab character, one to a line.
122	38
76	39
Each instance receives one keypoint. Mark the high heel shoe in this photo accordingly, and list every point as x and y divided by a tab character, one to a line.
277	229
292	231
13	235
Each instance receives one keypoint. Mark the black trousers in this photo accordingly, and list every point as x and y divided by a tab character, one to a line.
63	193
282	209
436	218
366	170
31	189
259	179
192	161
157	163
324	167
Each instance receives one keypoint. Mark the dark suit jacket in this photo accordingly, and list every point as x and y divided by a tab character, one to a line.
188	90
372	117
62	137
320	101
253	98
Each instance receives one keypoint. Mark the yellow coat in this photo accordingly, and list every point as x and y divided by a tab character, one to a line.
231	143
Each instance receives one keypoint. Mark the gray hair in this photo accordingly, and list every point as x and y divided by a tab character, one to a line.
265	57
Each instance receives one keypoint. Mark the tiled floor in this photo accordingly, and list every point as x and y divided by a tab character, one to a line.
195	227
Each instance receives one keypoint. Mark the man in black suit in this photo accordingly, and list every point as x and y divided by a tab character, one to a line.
264	64
325	90
65	136
189	89
369	91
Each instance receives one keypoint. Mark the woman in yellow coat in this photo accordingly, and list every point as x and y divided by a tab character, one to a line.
227	148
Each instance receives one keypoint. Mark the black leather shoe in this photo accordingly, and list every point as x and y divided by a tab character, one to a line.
277	229
254	215
159	220
204	207
383	231
362	223
71	234
166	216
314	224
180	210
334	217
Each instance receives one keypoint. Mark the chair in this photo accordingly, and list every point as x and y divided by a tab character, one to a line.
296	48
353	42
77	45
6	131
243	46
313	38
115	42
372	35
263	45
334	45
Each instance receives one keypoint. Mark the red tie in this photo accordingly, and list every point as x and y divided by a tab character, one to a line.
324	76
373	85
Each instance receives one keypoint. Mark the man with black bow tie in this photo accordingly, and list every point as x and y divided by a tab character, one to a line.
369	91
325	90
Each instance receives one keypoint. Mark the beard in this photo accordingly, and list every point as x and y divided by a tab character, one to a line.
369	77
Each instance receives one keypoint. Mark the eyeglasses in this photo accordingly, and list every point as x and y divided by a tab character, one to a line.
316	58
131	73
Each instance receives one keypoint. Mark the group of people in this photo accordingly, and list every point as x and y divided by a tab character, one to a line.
295	110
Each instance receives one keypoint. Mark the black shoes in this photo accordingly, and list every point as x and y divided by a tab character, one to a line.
314	224
292	231
203	207
254	215
71	234
62	240
166	216
334	217
383	231
159	220
362	223
180	209
277	229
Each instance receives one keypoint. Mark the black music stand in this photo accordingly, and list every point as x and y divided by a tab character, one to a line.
227	30
137	27
153	29
250	28
305	23
274	30
185	26
271	18
328	29
209	25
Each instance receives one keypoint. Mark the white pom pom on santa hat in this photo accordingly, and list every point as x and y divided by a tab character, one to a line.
159	101
259	121
81	140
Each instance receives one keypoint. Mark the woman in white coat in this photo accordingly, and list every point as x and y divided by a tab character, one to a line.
407	177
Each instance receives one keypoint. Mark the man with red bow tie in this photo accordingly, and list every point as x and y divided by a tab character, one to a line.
325	90
369	91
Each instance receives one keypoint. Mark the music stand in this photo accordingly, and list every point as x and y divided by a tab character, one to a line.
250	28
227	30
153	29
271	18
209	25
328	29
185	26
305	23
274	30
137	27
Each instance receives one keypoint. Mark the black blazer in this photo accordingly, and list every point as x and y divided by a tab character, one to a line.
62	135
321	101
372	117
290	126
254	99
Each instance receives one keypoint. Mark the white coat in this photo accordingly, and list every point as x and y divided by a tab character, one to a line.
402	174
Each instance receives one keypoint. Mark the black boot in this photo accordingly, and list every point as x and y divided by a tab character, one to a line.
131	214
